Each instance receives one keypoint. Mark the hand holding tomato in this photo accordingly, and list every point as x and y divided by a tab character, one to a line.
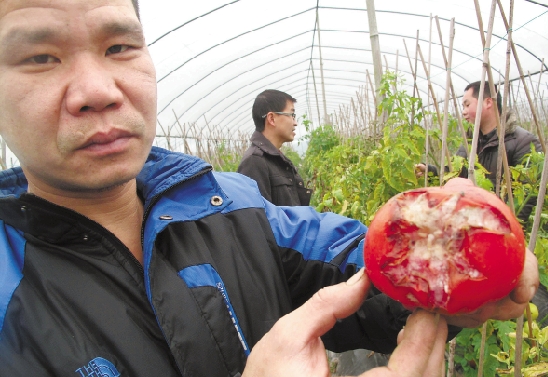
451	250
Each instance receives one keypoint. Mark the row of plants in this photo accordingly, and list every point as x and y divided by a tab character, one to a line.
355	176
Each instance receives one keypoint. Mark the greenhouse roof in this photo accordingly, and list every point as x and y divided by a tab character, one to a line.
214	57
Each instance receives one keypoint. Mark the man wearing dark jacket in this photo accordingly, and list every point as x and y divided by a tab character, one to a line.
517	140
278	180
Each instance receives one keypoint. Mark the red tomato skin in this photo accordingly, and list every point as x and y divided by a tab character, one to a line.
490	268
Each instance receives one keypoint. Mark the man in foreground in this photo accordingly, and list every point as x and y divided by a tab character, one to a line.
278	179
119	259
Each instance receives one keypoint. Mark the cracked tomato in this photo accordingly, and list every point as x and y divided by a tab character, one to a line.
447	249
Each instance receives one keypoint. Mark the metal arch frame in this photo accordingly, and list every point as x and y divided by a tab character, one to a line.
293	52
289	89
311	47
231	39
232	61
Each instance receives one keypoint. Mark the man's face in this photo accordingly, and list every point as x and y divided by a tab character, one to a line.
285	124
77	92
469	106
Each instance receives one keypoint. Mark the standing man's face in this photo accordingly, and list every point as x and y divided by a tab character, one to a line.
285	124
469	106
77	92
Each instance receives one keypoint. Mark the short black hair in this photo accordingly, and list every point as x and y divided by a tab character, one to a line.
486	92
268	101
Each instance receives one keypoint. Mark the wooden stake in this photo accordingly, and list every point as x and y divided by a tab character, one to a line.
376	51
446	107
433	96
486	49
457	111
316	94
522	77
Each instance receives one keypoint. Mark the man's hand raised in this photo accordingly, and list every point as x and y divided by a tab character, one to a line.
293	346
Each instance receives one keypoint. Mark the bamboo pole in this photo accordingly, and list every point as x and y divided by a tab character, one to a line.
376	102
482	348
376	51
540	75
433	96
502	146
427	123
522	77
500	128
413	71
361	105
453	94
416	93
486	49
316	93
540	203
446	107
368	109
451	360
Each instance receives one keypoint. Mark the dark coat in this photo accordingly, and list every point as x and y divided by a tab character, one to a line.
517	142
277	178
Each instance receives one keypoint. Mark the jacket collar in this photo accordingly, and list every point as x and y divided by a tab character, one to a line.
27	212
264	144
162	170
511	122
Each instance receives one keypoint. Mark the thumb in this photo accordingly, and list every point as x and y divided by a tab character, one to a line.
320	313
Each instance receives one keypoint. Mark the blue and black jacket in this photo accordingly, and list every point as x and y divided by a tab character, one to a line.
221	266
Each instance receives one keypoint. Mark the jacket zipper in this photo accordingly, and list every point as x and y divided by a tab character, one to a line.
153	201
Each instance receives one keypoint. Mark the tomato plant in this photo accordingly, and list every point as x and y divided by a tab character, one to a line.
354	177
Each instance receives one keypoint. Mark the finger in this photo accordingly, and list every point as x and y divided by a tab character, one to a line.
319	314
437	357
418	342
529	280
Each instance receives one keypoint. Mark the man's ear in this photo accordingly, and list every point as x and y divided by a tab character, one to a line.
488	103
269	120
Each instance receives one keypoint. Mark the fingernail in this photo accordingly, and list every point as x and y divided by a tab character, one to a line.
356	277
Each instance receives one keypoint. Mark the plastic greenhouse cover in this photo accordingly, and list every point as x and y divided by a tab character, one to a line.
214	57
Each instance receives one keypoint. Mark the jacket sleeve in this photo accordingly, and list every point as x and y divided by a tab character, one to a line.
523	146
322	249
255	168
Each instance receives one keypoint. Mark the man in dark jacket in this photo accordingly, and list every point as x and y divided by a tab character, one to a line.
517	140
120	259
278	180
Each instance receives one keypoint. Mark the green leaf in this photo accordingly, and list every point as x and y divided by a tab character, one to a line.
338	194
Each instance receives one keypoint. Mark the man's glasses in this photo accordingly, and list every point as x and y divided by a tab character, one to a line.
292	115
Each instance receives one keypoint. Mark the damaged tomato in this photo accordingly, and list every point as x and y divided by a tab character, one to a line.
447	249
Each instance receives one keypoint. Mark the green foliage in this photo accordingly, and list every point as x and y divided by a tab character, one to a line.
500	349
295	157
355	177
225	159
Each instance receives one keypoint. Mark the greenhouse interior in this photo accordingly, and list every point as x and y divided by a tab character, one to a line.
214	58
379	89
